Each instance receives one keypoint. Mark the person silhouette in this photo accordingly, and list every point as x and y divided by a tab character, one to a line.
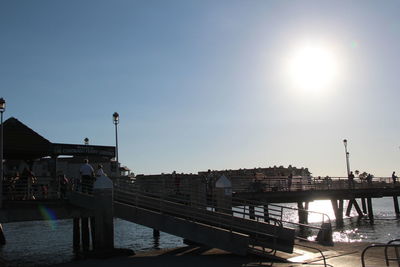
394	177
87	175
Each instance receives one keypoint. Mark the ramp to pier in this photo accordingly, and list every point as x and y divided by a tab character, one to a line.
201	223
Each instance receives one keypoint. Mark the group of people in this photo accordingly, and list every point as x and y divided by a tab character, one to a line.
20	182
368	179
24	186
84	183
88	177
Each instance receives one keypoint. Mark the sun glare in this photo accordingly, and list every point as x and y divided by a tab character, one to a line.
312	68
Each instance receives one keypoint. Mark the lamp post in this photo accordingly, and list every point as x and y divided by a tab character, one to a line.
2	109
116	121
86	142
347	156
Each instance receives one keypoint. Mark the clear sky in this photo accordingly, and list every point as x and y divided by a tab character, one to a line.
210	84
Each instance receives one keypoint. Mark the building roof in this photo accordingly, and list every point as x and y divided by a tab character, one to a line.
21	142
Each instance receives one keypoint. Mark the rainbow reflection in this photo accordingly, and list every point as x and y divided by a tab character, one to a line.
49	215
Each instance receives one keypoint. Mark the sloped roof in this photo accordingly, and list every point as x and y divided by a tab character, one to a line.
21	142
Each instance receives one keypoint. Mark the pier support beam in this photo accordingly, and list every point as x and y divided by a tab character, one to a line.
364	205
76	236
2	236
104	215
306	211
337	205
356	206
156	233
303	212
85	233
359	211
370	210
92	222
349	206
396	206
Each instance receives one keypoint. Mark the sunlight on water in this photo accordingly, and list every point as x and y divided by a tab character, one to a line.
347	236
322	206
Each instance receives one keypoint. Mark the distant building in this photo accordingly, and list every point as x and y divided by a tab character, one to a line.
262	172
25	148
260	179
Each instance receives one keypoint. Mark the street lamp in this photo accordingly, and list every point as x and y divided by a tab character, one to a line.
2	109
86	142
347	156
116	121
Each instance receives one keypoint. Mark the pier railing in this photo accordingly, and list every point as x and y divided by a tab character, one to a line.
47	187
44	187
192	191
299	183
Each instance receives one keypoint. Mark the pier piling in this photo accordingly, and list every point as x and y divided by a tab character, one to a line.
364	205
337	205
156	233
349	206
353	202
2	236
370	210
85	233
359	211
92	230
76	234
396	205
303	214
104	213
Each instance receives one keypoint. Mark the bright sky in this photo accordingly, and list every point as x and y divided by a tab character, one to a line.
210	84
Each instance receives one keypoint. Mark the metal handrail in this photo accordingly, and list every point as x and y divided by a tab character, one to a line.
275	211
221	219
396	246
237	200
396	251
26	190
320	251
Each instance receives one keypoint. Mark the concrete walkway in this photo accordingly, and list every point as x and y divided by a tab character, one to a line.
339	255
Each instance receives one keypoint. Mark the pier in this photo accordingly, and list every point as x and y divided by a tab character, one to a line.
240	219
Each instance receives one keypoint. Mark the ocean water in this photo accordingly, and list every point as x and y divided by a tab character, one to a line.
50	242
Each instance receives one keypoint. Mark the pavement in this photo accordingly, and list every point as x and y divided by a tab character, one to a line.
339	255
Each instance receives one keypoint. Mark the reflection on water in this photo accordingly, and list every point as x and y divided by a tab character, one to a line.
156	239
41	243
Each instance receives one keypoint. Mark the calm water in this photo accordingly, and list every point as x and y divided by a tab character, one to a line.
43	243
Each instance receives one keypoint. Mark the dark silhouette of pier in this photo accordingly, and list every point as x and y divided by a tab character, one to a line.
243	218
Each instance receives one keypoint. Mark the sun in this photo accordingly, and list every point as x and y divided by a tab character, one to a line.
312	68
